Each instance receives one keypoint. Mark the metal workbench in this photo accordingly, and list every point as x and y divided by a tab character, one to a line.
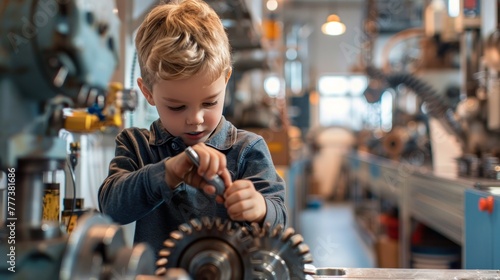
436	201
381	273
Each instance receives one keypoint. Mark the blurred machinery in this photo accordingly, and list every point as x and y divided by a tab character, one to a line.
54	56
474	121
445	74
56	59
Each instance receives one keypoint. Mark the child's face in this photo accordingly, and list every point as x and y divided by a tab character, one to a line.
190	108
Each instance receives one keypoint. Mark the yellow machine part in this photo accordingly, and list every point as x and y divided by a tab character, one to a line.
81	121
51	203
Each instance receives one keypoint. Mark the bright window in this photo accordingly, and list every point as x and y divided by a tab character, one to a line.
342	103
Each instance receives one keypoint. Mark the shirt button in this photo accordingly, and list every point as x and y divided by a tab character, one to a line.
175	146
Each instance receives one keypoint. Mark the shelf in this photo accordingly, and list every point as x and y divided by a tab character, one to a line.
439	203
435	201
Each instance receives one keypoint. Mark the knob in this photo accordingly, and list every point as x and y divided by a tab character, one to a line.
486	204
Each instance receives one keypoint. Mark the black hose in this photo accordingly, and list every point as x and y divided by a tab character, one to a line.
132	84
436	107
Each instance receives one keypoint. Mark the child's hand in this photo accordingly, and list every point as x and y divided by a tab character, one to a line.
244	202
181	169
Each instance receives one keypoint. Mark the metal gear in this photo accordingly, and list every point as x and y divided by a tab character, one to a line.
207	249
278	253
213	249
96	249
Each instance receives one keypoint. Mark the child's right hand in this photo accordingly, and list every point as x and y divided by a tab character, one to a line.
180	169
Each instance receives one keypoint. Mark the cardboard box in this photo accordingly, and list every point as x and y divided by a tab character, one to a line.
387	250
278	143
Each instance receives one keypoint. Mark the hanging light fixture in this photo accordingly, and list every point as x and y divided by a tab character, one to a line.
333	26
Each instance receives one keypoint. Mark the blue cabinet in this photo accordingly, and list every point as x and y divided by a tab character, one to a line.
482	230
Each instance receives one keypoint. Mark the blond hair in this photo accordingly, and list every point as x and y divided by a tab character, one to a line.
180	39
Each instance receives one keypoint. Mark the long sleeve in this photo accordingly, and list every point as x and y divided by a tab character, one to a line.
135	184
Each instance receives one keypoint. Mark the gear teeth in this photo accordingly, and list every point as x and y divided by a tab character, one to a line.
177	235
185	228
196	224
161	262
232	227
303	248
267	229
245	231
296	240
287	234
277	230
164	253
221	227
244	238
219	224
161	271
255	229
243	234
207	222
169	243
307	258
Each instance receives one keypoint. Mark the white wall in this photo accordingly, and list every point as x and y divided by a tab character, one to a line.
329	54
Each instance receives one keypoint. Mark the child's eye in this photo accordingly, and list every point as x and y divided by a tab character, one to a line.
210	104
176	108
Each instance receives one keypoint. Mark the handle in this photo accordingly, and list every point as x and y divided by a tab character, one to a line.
486	204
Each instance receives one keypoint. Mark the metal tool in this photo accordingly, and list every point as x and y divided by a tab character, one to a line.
215	181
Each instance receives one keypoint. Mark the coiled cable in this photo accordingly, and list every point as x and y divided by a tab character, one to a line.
435	106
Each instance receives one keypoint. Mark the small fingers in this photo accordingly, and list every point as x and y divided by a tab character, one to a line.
226	177
240	207
237	186
212	162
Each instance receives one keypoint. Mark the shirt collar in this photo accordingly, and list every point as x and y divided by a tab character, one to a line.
223	137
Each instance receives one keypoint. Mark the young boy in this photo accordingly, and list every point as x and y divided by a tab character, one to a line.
185	63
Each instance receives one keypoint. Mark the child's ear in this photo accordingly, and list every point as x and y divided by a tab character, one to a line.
145	91
228	75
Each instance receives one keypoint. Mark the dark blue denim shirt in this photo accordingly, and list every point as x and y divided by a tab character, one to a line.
135	189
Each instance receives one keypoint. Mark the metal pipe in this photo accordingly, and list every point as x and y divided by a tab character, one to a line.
471	51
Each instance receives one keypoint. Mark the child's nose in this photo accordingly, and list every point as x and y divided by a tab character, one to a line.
196	118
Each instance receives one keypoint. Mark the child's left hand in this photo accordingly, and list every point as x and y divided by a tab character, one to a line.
244	202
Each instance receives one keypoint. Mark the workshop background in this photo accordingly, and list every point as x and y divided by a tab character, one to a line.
386	130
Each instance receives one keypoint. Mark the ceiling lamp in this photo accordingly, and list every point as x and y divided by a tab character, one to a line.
333	26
